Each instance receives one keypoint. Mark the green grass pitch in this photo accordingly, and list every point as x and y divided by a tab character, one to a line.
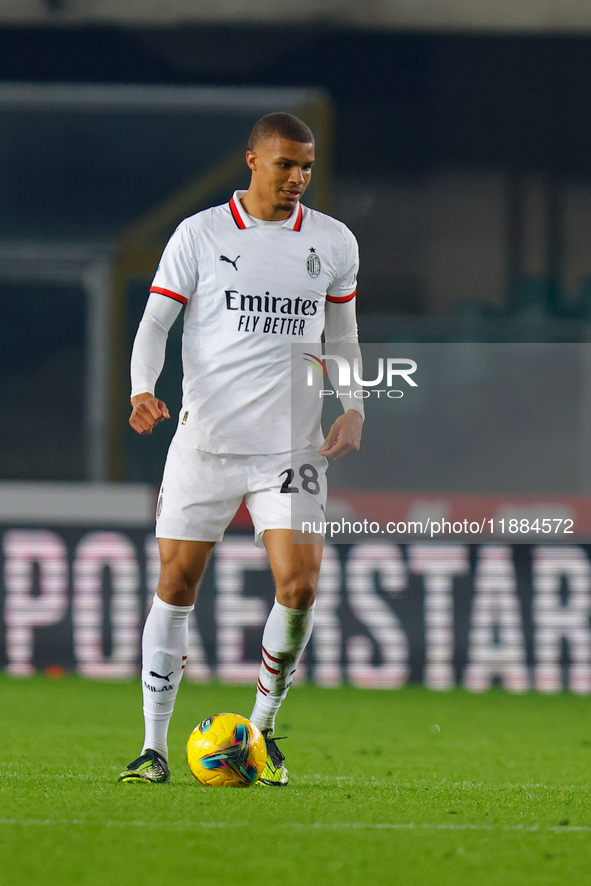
387	787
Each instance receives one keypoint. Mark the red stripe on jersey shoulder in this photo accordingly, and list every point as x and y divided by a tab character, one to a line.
170	294
339	299
236	214
298	222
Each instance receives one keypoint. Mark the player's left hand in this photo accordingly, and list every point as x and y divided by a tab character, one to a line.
344	436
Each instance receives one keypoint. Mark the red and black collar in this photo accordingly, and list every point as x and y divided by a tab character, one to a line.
244	220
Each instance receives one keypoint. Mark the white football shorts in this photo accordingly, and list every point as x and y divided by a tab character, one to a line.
201	492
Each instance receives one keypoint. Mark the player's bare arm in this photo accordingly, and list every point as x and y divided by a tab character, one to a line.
344	436
147	412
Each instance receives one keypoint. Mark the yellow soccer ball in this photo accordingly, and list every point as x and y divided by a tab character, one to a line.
226	750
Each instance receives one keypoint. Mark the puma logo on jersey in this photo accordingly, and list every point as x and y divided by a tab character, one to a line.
160	676
229	260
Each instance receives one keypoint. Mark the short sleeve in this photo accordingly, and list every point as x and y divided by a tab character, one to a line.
177	273
344	285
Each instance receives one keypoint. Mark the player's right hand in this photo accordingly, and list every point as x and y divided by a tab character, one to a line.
147	412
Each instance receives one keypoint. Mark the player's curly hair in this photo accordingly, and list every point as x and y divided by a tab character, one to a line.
282	124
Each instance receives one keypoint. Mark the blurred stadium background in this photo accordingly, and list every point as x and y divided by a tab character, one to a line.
455	140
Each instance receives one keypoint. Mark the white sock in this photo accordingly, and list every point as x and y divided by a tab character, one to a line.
285	637
164	655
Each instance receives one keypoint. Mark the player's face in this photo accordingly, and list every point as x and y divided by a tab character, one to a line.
281	171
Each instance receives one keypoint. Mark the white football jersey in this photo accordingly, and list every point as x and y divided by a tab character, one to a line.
251	290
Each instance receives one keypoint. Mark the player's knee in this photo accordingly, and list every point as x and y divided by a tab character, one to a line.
296	593
177	588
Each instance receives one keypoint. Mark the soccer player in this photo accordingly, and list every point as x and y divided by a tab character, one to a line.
255	275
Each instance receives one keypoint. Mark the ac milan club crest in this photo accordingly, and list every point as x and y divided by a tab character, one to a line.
313	263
